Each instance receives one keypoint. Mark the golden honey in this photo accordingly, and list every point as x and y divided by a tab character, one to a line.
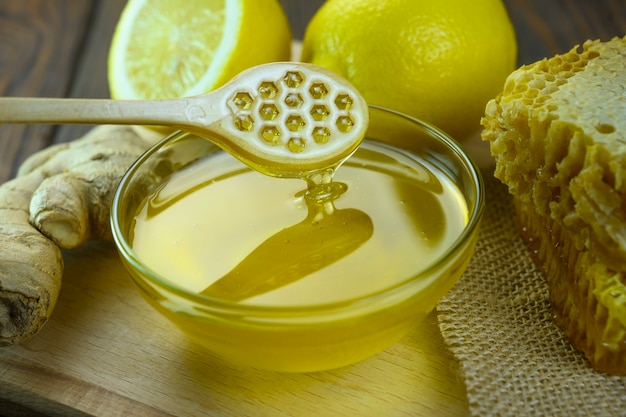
227	231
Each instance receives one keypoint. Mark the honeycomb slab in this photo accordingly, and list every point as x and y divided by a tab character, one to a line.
558	135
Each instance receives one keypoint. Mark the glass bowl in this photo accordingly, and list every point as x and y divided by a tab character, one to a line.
316	335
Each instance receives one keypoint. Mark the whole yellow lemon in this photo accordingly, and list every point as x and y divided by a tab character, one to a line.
437	60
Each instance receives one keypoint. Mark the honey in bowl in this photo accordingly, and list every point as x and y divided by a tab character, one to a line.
271	273
227	231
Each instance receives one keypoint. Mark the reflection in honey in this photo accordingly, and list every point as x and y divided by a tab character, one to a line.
223	229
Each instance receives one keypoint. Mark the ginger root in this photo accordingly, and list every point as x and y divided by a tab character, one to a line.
60	198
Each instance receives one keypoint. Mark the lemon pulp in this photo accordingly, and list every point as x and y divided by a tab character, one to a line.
220	221
172	48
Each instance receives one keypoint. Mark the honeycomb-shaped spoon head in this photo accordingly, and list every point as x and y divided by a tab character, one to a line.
290	119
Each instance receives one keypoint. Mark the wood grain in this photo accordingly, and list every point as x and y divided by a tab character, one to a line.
90	79
545	28
40	41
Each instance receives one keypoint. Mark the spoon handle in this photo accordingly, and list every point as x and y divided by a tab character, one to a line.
284	119
181	112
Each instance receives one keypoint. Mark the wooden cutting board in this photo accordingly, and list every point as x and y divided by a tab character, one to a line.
106	352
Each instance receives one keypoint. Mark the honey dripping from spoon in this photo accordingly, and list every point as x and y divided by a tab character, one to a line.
325	236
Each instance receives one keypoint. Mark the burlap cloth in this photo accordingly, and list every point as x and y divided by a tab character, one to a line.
497	321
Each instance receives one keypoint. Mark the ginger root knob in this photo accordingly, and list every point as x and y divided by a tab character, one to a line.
60	198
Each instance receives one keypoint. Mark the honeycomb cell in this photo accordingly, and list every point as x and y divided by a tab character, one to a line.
321	134
268	89
244	122
318	91
268	112
319	112
270	134
344	124
296	144
343	102
294	100
242	100
605	128
293	79
295	123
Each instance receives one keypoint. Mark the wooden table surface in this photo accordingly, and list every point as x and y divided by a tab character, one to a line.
93	359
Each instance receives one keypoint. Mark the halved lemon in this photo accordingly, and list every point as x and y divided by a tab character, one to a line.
177	48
